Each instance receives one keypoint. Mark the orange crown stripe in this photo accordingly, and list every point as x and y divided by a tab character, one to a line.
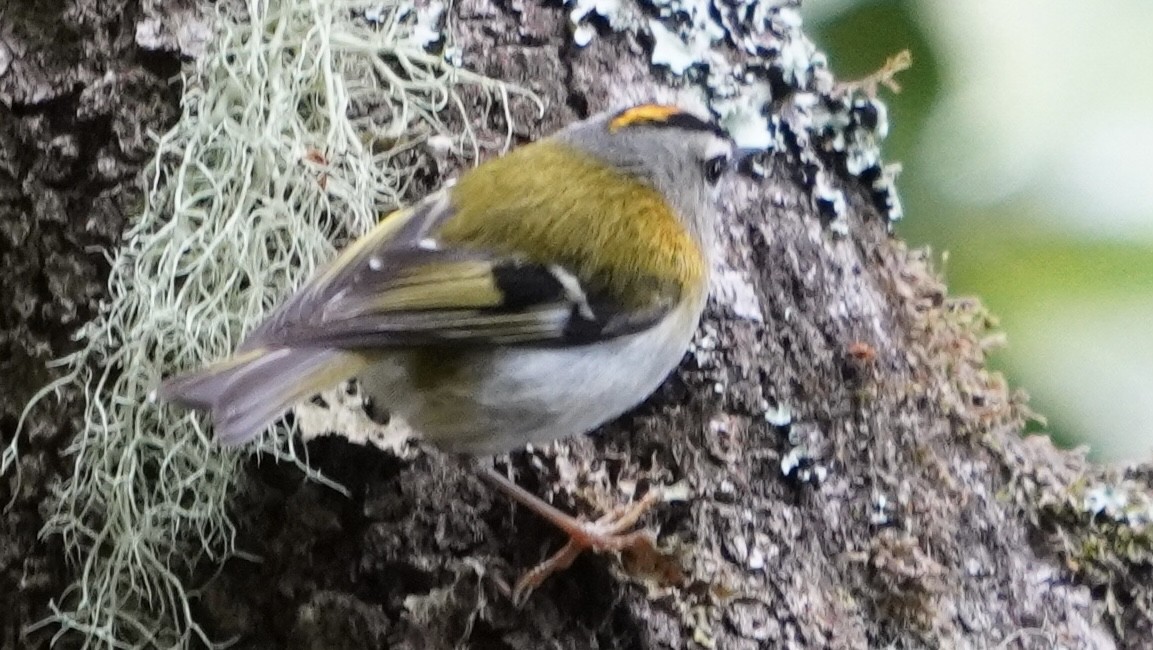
644	114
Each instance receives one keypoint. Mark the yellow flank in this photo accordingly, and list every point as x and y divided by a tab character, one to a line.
430	367
616	233
643	114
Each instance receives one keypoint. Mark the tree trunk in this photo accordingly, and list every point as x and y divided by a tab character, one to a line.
852	476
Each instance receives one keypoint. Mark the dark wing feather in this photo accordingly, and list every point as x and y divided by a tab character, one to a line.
397	286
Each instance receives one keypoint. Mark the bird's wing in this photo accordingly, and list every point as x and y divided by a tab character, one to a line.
399	286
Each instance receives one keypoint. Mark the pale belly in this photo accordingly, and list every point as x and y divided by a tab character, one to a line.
500	399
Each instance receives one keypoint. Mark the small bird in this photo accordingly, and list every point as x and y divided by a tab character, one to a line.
543	294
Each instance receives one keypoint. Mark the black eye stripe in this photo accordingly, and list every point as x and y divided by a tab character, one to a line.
690	122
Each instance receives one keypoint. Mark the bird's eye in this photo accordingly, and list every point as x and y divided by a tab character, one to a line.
714	168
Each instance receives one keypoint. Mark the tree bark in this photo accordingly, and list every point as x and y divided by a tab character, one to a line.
77	98
898	506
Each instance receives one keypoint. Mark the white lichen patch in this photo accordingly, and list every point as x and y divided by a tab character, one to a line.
780	415
5	57
881	511
672	52
427	30
184	31
743	117
1124	503
341	411
613	12
733	289
830	200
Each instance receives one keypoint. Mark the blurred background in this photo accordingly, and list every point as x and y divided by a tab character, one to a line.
1026	132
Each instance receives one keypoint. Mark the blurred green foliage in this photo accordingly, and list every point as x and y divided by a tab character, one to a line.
1077	310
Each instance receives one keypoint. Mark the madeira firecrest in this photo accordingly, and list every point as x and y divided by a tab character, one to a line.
546	292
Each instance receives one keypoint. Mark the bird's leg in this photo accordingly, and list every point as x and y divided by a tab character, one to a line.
603	535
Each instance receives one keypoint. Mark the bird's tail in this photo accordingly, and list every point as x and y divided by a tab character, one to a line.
249	391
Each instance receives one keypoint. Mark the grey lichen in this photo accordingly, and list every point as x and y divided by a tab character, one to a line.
1102	528
768	84
802	462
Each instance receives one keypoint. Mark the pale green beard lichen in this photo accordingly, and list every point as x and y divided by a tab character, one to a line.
274	158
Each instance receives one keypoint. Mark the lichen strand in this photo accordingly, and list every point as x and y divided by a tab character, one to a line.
301	121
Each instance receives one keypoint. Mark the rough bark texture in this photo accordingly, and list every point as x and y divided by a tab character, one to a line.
917	516
77	98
